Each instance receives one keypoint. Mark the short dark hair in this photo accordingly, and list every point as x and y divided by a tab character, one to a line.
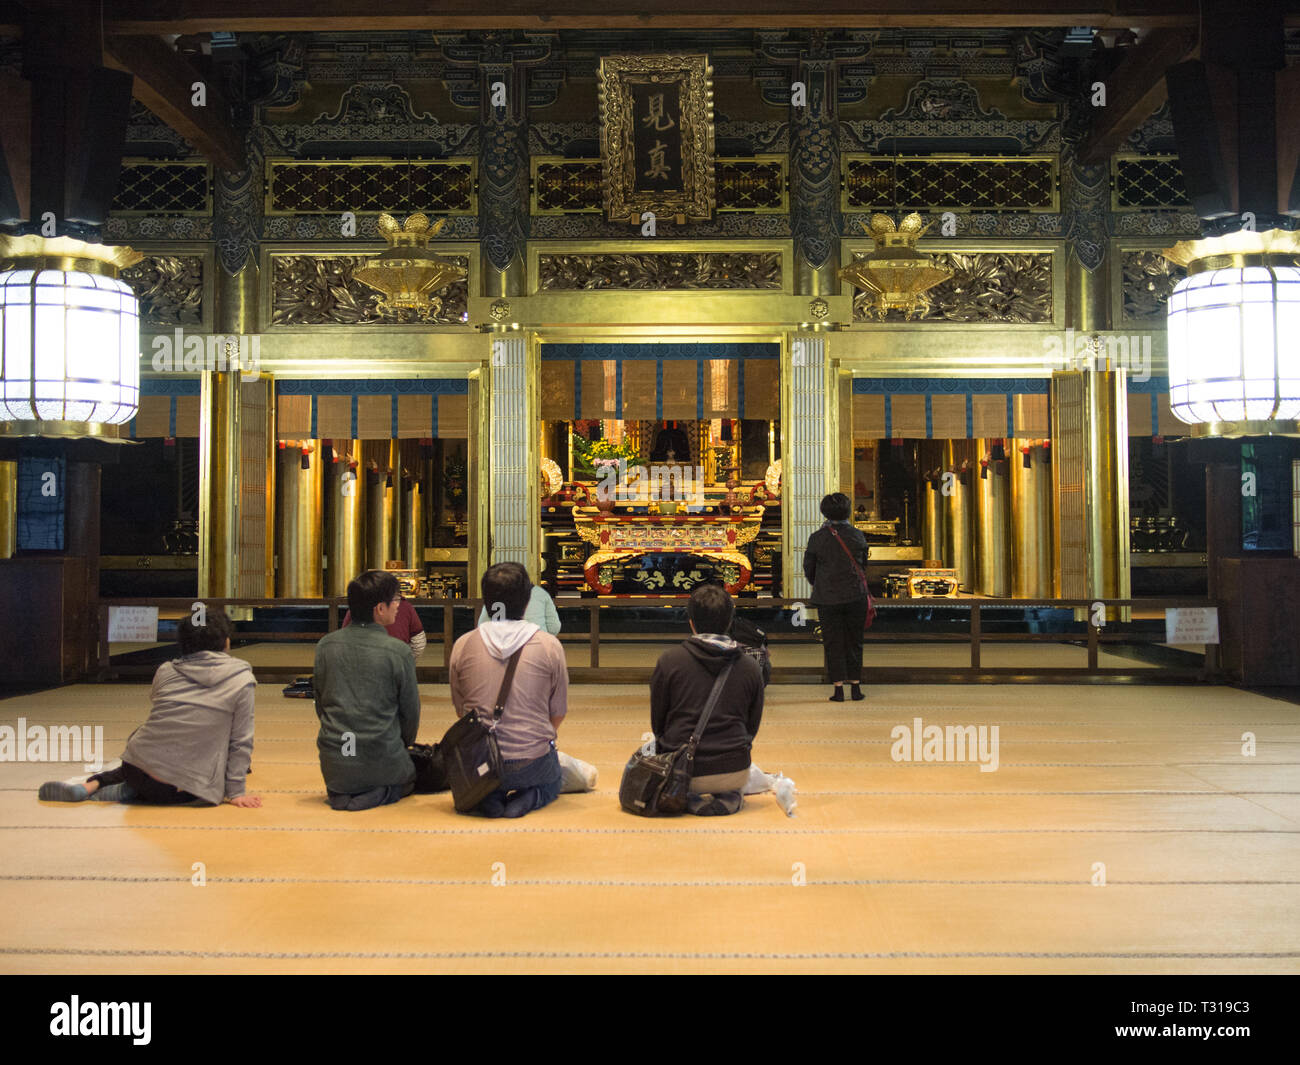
836	507
710	609
210	636
373	588
507	583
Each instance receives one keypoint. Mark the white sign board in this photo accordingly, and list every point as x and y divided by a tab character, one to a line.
1197	624
132	624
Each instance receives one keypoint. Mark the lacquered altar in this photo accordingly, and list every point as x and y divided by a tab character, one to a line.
620	538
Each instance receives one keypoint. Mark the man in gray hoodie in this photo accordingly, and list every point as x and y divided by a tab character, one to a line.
198	741
538	698
367	701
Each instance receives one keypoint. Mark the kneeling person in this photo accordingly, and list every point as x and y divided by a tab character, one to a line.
538	697
367	701
679	688
198	741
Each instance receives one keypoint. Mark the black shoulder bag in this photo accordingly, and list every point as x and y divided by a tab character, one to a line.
470	751
656	785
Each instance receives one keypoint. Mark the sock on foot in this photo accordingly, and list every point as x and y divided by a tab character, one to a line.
112	793
785	795
857	693
838	697
63	791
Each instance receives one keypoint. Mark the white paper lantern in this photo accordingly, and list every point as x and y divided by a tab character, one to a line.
69	347
69	338
1234	334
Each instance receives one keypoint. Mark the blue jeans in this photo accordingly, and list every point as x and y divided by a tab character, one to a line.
526	786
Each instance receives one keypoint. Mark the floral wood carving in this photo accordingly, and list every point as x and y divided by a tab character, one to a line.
661	270
169	288
1010	287
1148	279
320	290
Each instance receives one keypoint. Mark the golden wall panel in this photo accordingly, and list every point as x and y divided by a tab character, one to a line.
868	417
334	417
1139	415
292	417
948	417
989	416
679	389
187	415
415	417
453	417
153	419
639	388
374	417
907	416
721	391
556	389
1031	416
1167	424
762	388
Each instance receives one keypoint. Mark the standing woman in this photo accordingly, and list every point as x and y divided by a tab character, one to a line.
835	563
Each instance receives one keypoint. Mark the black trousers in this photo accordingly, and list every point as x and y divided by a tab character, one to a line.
145	787
842	639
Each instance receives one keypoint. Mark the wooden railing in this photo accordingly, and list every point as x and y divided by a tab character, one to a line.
1096	637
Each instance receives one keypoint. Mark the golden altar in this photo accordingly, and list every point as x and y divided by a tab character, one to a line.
622	537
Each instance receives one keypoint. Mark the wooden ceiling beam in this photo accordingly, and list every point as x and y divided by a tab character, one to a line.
197	16
1134	91
164	83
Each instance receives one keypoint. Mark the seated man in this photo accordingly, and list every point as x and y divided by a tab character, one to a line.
538	697
367	701
198	741
405	627
679	688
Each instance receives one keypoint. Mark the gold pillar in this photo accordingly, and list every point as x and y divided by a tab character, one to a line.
1031	522
1087	295
1090	482
298	510
219	450
257	448
1106	397
218	484
845	409
393	505
412	526
932	521
958	539
376	473
479	477
992	499
8	508
345	498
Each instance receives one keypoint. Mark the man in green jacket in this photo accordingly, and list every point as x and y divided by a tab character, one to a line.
367	701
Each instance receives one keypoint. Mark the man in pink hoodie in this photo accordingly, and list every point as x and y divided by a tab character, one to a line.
538	698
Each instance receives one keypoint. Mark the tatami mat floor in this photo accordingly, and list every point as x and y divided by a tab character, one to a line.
886	867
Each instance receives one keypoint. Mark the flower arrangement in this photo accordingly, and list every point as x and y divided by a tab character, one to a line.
590	457
454	481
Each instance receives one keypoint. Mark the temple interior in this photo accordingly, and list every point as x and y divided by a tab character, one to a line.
292	291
